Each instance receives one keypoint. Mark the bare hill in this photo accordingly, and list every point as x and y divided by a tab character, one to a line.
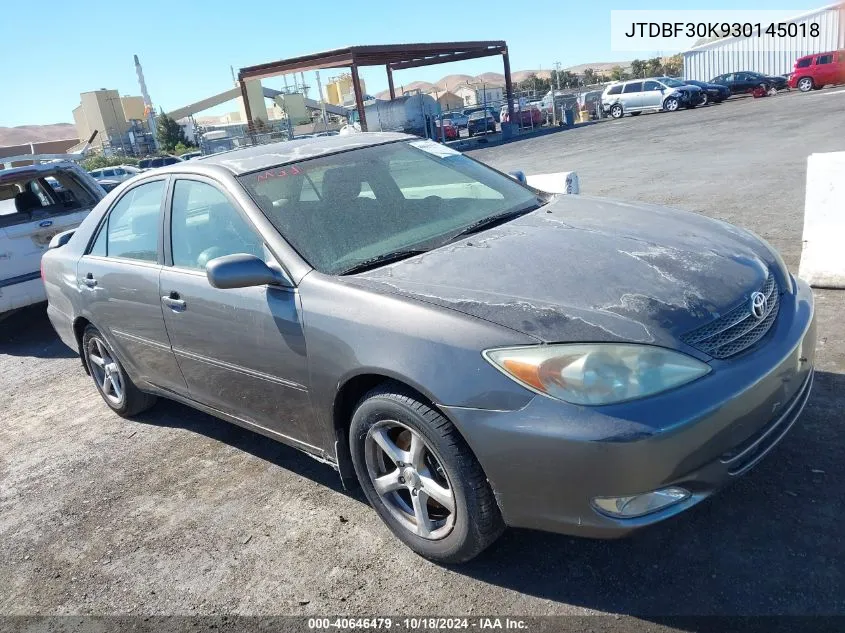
36	133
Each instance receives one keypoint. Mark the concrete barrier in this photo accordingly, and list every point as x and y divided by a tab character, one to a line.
823	254
558	182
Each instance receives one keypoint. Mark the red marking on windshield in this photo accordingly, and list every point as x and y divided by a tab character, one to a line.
282	172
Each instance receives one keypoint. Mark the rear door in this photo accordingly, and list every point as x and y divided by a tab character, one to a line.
118	281
25	233
824	70
241	350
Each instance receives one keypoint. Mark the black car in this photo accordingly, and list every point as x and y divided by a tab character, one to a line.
746	81
494	112
711	93
480	122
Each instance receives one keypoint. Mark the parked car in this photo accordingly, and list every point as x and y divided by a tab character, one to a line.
118	173
640	95
158	161
481	122
813	72
711	93
746	82
493	111
190	155
108	185
346	295
525	116
458	118
450	131
37	201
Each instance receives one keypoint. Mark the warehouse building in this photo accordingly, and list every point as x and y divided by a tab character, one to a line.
770	56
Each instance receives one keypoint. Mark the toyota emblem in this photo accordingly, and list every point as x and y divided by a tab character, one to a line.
759	305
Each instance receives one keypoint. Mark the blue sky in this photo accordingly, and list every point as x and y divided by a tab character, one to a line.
186	47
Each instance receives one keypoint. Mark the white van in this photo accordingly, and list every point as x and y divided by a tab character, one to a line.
37	201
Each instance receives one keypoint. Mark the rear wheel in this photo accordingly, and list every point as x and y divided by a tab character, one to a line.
421	477
805	84
616	111
116	388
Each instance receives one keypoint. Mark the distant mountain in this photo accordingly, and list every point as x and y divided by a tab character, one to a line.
36	133
451	82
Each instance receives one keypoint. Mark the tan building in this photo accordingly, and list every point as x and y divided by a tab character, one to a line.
339	90
447	100
112	116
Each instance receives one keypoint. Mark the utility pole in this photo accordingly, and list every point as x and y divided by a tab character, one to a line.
557	74
322	103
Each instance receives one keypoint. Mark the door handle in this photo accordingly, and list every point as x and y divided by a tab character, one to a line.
173	301
89	280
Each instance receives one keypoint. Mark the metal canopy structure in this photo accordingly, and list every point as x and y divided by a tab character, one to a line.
391	56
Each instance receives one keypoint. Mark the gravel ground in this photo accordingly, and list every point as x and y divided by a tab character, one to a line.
179	513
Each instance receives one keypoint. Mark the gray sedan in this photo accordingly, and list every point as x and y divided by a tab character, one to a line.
475	353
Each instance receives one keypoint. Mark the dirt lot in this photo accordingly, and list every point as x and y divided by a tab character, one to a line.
178	513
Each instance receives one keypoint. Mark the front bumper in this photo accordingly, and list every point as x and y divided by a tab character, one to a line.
547	461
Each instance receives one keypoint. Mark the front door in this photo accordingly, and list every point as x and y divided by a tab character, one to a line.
118	281
242	351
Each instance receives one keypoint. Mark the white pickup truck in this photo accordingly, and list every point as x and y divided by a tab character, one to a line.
37	201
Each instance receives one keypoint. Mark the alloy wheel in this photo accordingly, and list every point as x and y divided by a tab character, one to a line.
671	104
410	479
105	371
805	84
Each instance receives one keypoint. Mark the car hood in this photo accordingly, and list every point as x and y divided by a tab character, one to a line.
589	269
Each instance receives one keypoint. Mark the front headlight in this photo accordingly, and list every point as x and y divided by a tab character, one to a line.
596	373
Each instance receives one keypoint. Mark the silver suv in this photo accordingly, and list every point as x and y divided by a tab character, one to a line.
655	93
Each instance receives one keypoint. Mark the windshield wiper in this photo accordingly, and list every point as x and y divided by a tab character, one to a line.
381	260
491	221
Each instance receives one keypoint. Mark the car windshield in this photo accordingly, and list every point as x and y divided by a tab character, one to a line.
672	83
343	210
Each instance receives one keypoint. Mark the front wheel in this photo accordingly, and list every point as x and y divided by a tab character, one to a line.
671	104
115	386
805	84
421	477
616	111
705	99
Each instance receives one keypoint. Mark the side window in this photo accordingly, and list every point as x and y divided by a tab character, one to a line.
825	59
119	172
204	225
803	63
108	173
652	85
729	78
615	90
134	223
636	86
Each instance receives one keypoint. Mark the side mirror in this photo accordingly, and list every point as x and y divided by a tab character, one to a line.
518	176
60	239
242	271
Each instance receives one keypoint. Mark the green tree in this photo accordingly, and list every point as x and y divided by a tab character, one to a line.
170	133
617	73
567	79
589	77
99	161
653	67
638	69
674	65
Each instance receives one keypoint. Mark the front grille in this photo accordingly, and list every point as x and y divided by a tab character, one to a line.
739	329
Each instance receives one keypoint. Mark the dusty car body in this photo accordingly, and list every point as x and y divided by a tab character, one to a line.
557	362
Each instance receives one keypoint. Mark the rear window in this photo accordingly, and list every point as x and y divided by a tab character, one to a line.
804	62
615	90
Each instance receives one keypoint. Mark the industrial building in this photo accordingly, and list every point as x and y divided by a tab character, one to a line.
120	122
339	90
777	56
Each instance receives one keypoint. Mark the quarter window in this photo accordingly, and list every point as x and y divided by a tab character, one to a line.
133	226
615	90
205	224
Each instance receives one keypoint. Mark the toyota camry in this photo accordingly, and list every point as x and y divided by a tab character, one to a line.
473	352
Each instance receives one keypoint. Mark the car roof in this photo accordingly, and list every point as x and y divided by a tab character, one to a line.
248	159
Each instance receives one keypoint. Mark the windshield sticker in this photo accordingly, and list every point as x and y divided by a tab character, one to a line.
283	172
435	149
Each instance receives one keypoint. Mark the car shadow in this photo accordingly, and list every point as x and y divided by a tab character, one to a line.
771	543
28	332
171	414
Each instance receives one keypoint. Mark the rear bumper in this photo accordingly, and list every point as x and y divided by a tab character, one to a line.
21	291
547	461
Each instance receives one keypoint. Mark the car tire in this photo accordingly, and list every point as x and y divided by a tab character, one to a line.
390	416
705	99
112	382
671	104
806	84
616	111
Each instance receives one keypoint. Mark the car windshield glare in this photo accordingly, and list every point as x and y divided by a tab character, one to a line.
342	210
672	83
